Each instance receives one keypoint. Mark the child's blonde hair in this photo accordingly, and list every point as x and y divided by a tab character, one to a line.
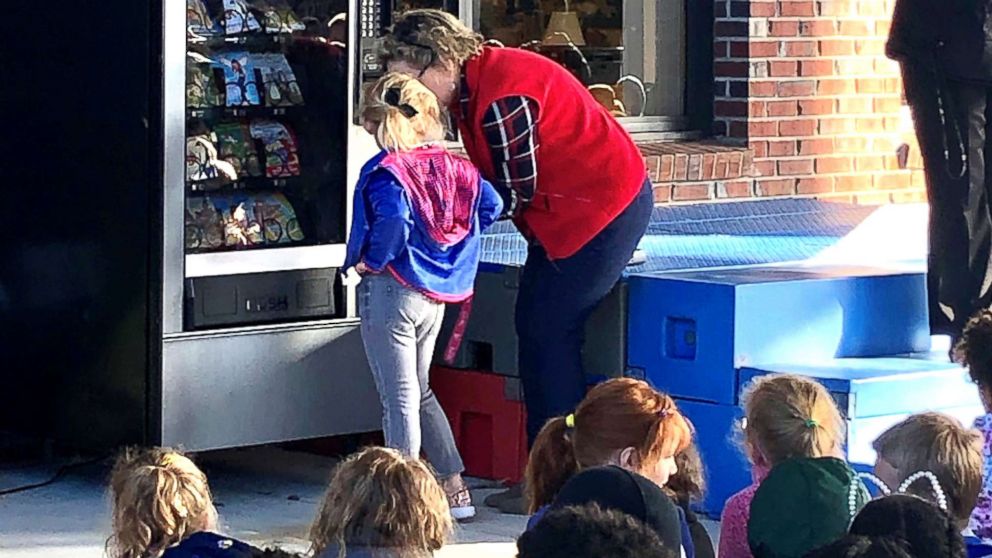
790	416
617	414
380	498
405	114
940	444
159	498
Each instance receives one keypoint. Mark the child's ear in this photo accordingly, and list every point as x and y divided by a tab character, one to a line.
628	459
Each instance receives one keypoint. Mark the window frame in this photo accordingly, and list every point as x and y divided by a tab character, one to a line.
698	89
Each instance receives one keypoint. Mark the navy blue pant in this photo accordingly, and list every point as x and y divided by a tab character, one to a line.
553	303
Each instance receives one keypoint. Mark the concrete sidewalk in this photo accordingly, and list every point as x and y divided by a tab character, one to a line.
265	496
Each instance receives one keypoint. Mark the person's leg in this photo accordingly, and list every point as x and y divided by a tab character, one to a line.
439	443
554	301
389	334
947	261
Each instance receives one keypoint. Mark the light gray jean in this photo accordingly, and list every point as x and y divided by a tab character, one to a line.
399	328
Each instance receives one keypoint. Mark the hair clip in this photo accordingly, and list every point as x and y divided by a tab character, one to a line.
811	423
938	491
392	98
570	421
663	413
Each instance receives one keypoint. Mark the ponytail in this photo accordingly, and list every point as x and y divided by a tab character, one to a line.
552	462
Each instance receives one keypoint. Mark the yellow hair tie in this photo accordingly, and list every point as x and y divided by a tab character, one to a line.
570	421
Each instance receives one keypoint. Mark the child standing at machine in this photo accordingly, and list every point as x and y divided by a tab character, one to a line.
415	240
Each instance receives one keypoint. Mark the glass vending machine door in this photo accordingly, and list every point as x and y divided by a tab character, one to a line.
266	154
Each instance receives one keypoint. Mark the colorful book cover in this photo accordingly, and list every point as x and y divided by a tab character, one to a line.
239	79
277	16
280	86
238	18
236	146
281	154
198	20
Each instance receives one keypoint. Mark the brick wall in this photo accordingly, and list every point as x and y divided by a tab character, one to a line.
805	85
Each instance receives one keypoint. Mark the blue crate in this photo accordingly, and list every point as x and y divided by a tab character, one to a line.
690	331
876	393
727	470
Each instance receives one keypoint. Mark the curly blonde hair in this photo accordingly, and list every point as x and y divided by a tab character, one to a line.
159	498
424	38
791	416
380	498
395	130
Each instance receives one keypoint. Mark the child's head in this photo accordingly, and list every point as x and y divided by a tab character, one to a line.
937	443
402	113
621	422
974	350
922	527
588	531
159	498
689	482
790	416
380	498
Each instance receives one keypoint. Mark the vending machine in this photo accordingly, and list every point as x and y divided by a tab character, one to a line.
173	270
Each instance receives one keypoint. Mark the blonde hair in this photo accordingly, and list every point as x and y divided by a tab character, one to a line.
424	38
380	498
159	498
395	130
617	414
940	444
790	416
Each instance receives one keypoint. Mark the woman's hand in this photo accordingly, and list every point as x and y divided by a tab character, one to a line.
361	268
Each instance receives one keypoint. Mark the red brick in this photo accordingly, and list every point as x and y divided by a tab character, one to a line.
797	167
776	187
854	105
855	28
764	168
735	69
816	68
783	68
835	8
662	193
797	9
762	89
892	181
735	189
730	108
869	163
851	144
818	146
737	129
832	165
870	125
799	48
852	182
693	192
855	67
730	29
817	28
836	87
804	88
783	29
763	9
761	129
872	47
721	49
759	148
783	108
871	85
836	47
739	49
665	171
681	167
797	127
874	8
818	185
837	126
739	9
816	106
887	104
785	148
757	109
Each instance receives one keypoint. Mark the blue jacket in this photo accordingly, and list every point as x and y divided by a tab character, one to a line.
385	232
210	545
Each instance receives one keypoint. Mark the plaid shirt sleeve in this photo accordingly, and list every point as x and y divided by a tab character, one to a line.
510	127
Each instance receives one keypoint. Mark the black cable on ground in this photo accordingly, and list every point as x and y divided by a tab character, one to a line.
62	471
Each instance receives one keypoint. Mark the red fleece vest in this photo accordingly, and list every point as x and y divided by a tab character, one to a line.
588	168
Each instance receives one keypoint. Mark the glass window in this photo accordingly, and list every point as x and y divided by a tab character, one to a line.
632	55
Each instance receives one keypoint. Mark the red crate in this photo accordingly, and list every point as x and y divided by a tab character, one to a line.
488	422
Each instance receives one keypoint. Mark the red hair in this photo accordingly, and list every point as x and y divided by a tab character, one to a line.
617	414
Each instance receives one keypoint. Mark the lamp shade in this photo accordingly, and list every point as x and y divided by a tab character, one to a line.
563	29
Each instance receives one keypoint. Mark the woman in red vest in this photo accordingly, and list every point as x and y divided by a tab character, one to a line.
572	180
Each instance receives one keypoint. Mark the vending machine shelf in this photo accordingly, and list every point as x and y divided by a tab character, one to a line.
264	260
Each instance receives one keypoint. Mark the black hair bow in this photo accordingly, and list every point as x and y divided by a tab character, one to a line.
392	99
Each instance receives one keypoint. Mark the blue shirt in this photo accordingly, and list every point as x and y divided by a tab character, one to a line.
385	232
210	545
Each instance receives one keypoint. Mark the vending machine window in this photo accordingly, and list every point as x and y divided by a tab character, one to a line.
266	160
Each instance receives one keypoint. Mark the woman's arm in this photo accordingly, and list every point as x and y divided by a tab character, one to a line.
390	223
490	204
510	127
